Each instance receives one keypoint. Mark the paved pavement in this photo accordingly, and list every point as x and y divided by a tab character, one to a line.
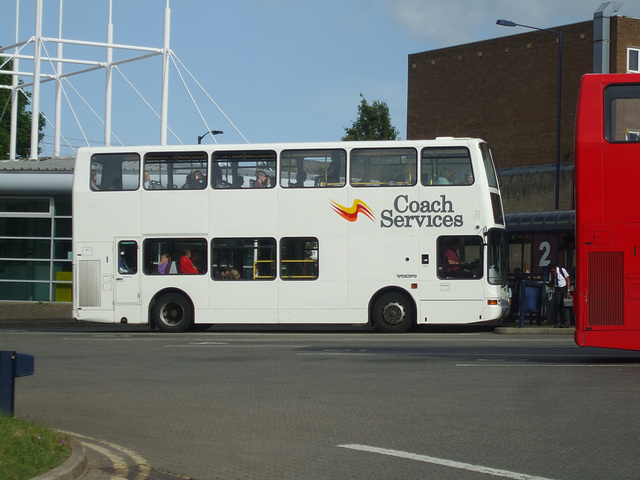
89	461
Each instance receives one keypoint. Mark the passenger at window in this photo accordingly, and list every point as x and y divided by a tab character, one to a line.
224	273
94	180
469	178
165	264
234	274
194	180
301	177
262	180
186	264
444	178
450	257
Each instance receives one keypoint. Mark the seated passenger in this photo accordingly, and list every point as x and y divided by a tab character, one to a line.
262	180
469	178
165	264
444	178
186	264
234	275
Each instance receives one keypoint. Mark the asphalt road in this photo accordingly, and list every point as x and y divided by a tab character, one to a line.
276	404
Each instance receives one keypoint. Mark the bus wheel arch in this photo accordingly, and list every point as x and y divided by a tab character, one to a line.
392	310
171	311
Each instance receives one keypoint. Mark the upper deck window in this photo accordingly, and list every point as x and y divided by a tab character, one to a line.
374	167
115	171
489	165
622	113
446	166
312	168
244	169
174	170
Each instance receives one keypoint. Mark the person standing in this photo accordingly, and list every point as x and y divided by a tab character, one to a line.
559	280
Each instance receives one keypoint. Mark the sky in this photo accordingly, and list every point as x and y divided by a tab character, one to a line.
270	70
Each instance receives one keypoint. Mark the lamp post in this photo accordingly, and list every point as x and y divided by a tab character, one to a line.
509	23
212	132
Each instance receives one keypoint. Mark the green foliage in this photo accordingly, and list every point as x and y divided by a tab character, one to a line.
28	450
23	137
373	123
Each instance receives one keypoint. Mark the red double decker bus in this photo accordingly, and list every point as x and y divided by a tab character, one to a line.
607	176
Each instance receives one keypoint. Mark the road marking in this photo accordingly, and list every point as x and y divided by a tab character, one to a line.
444	462
119	463
548	365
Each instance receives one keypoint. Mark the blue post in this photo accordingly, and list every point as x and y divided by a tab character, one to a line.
12	366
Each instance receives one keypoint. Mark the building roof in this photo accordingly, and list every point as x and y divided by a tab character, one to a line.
44	164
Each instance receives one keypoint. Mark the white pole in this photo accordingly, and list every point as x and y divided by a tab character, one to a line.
108	80
57	125
165	76
13	129
35	97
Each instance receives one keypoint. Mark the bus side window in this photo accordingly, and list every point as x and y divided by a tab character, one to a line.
446	166
460	257
115	172
374	167
312	168
128	257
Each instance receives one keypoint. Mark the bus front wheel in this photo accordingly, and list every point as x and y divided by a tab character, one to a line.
393	313
173	313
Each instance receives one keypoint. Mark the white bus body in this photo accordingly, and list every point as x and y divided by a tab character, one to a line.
344	233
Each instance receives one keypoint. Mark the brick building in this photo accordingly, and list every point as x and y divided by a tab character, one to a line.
504	90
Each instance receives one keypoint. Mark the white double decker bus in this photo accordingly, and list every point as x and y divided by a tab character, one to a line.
392	234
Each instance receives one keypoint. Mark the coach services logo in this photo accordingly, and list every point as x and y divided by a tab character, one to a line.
351	213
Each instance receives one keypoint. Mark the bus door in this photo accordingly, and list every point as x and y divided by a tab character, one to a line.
94	279
127	279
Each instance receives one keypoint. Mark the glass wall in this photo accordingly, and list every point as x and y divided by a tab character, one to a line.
35	248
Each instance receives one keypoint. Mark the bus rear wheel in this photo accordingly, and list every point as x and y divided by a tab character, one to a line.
393	313
173	313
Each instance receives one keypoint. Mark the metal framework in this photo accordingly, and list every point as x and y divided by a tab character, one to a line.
35	78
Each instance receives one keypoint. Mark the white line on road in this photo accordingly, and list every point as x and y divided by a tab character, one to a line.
548	365
444	462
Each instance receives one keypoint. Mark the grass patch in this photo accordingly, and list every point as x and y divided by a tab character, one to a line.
28	450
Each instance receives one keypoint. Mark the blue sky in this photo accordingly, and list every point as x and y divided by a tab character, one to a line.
280	70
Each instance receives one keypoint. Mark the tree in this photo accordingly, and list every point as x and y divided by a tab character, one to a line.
373	123
23	137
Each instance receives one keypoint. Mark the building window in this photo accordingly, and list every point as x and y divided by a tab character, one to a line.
35	249
633	60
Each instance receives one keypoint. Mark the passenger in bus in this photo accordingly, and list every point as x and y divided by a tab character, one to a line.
94	180
234	275
186	264
238	182
165	264
450	257
301	177
444	178
224	273
262	180
469	178
195	180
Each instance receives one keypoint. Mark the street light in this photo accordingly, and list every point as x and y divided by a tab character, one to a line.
212	132
509	23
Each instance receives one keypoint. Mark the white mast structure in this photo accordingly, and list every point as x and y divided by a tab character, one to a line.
37	78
